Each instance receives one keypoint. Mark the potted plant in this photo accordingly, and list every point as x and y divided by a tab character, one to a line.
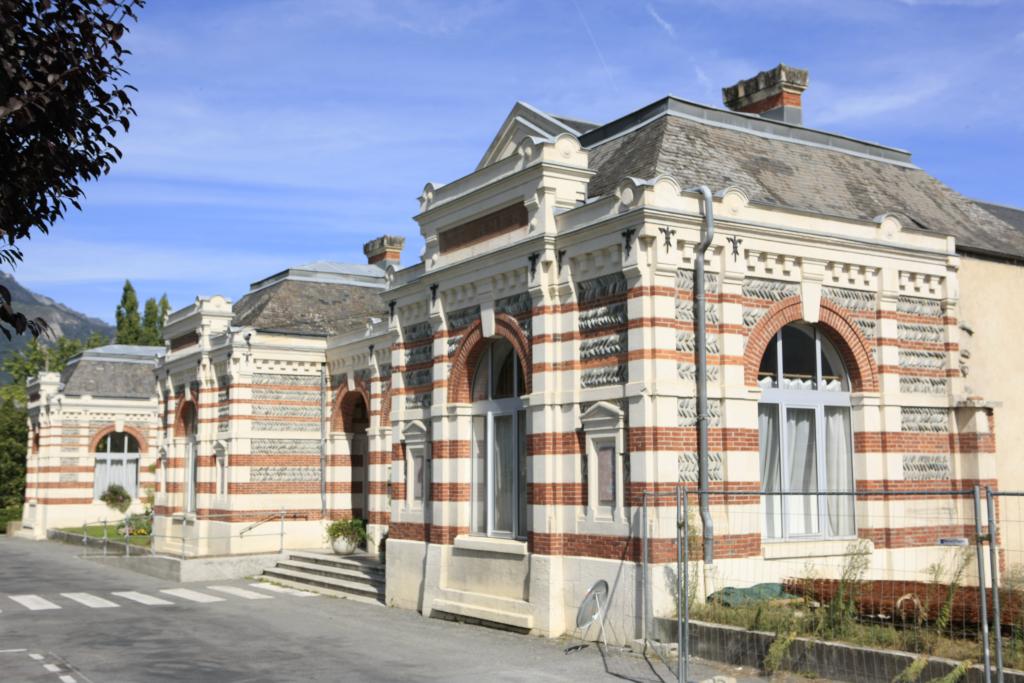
345	535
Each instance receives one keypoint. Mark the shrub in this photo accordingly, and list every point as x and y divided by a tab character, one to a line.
117	498
350	529
10	514
139	525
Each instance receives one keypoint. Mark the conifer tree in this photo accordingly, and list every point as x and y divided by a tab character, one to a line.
129	326
152	332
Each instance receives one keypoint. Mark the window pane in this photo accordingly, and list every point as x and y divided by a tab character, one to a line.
833	374
503	484
131	477
802	511
100	480
839	470
131	445
799	358
117	443
503	365
417	474
771	466
521	527
768	373
481	378
606	475
480	474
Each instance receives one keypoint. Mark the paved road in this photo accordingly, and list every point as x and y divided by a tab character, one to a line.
65	619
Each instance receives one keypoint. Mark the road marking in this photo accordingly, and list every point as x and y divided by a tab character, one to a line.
20	649
240	592
194	596
52	668
88	600
67	679
33	602
283	589
36	657
142	598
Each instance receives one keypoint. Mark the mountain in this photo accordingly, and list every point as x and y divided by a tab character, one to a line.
63	321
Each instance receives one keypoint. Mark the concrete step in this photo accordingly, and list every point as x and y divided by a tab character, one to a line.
344	572
320	583
365	562
302	585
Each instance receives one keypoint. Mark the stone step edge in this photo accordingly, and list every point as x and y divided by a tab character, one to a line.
301	585
323	581
346	560
352	573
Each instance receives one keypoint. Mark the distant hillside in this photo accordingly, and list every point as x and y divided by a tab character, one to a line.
63	321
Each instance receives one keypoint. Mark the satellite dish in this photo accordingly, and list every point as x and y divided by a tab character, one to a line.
591	610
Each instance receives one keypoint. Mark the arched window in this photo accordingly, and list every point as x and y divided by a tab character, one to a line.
190	425
806	443
499	443
117	462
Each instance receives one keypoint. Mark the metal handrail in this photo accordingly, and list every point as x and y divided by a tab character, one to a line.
279	515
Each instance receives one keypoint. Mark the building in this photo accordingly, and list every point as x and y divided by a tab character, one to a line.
92	425
497	410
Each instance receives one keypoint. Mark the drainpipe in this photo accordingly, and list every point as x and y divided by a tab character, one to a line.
700	335
323	441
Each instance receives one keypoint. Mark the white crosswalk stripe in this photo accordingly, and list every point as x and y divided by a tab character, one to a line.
194	596
88	600
67	679
33	602
240	592
142	598
52	668
283	589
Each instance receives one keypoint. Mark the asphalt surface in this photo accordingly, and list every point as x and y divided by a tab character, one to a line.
61	622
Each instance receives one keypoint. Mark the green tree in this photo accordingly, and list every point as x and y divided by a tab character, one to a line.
129	326
62	100
13	445
151	328
165	310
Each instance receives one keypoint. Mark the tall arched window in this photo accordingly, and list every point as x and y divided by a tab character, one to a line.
499	443
806	443
117	462
190	425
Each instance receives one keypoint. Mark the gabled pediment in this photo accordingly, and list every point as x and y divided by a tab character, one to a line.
523	121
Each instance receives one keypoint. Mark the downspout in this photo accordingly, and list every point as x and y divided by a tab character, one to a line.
323	441
700	336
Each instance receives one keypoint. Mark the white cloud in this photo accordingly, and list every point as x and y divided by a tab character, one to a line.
841	105
669	29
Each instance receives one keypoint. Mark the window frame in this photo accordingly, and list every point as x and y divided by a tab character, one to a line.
604	426
416	444
816	399
125	458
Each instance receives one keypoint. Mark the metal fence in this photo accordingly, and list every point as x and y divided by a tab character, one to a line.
867	585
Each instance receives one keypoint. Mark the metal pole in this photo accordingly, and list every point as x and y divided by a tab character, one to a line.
323	440
281	544
644	580
686	590
993	559
680	660
699	334
982	607
127	536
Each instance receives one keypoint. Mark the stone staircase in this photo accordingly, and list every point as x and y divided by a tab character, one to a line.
356	577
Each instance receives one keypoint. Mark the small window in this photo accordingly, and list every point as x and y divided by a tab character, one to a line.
222	473
606	474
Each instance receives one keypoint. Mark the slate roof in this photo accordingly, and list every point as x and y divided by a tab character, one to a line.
789	166
112	371
1010	215
322	298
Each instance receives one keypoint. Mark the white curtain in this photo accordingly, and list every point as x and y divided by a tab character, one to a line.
480	474
802	510
504	463
771	466
101	479
115	469
839	470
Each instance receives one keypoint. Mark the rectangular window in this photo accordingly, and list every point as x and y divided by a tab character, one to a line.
503	481
222	474
192	462
113	469
416	477
606	474
480	474
839	470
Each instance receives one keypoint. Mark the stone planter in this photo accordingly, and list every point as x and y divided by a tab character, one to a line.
343	546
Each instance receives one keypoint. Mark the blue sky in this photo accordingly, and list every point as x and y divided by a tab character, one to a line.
272	133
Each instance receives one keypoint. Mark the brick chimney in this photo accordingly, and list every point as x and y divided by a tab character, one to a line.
774	94
384	251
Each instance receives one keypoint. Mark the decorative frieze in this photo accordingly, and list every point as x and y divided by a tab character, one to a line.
602	347
916	305
687	342
277	410
689	467
924	385
855	300
68	477
868	327
464	317
922	360
688	371
688	412
418	354
423	400
284	446
417	332
925	466
272	426
919	332
603	376
514	305
769	290
285	380
416	378
285	395
69	462
601	287
686	313
924	419
453	345
684	280
751	315
283	474
603	316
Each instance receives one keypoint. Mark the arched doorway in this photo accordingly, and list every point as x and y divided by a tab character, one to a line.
355	421
805	436
187	428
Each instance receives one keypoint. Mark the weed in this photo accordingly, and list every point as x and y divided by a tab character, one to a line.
913	671
777	651
956	674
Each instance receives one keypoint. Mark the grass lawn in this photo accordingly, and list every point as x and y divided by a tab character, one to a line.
96	531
